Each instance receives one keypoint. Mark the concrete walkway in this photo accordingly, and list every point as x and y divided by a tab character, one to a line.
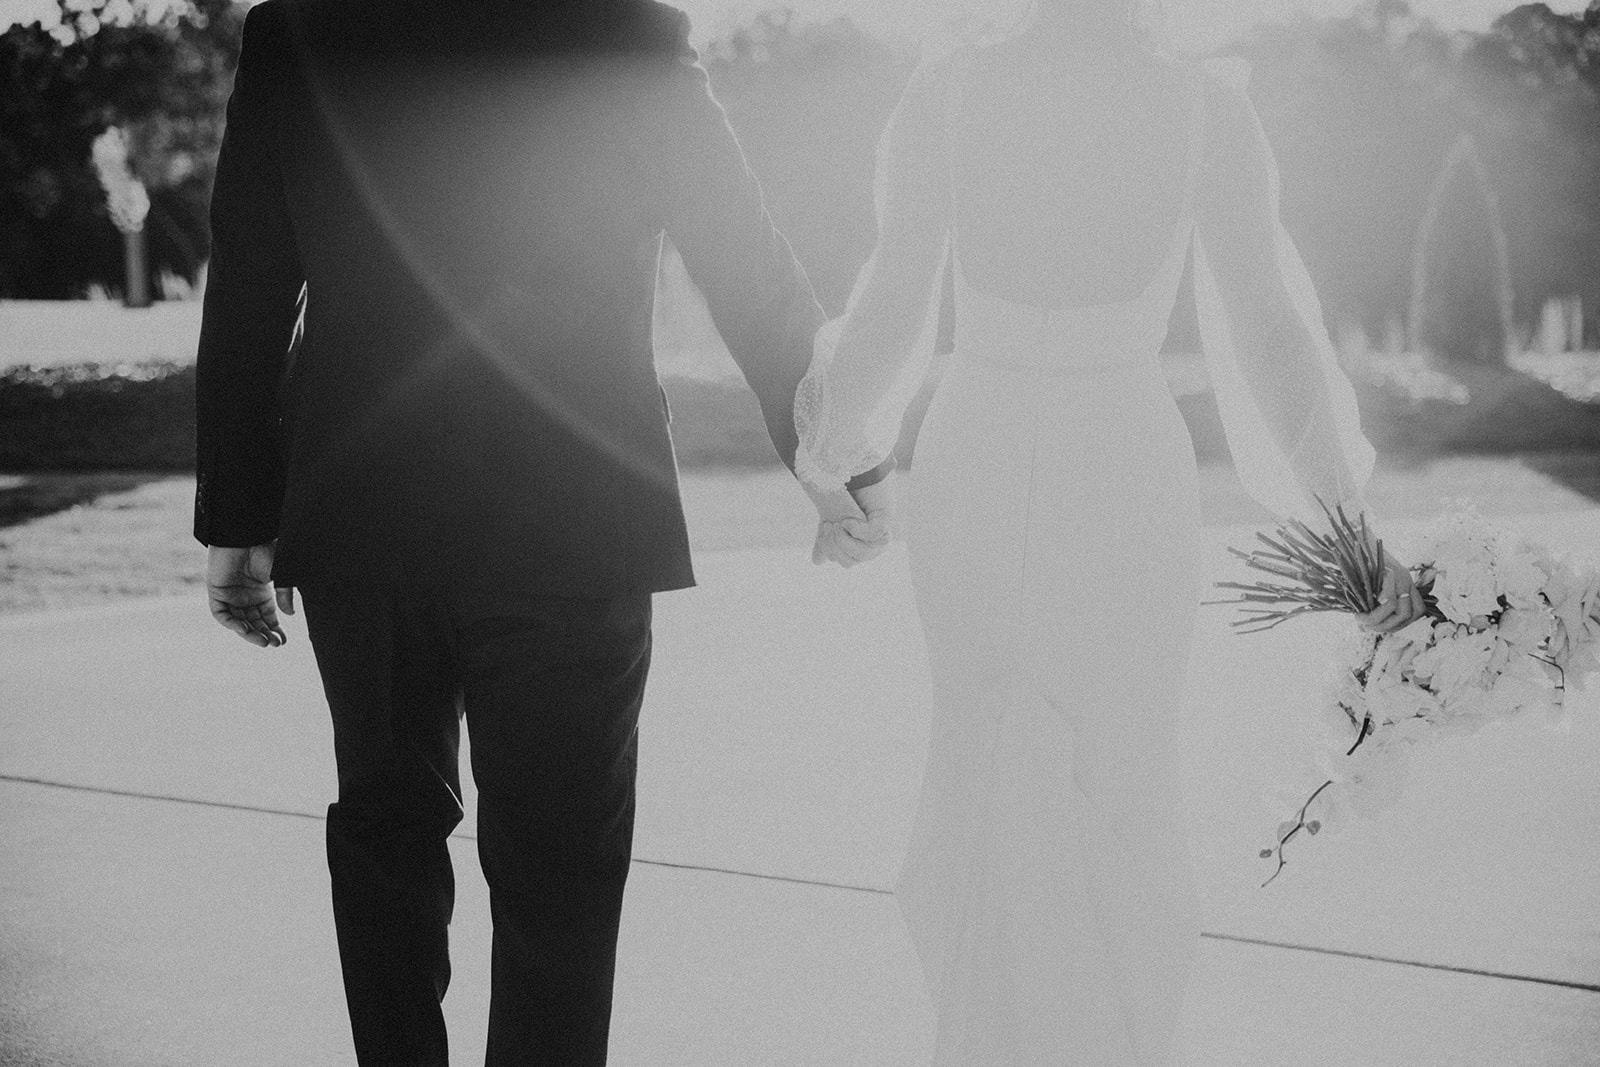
163	899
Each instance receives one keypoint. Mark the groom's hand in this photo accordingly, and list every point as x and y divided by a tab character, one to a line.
876	502
852	527
845	545
239	589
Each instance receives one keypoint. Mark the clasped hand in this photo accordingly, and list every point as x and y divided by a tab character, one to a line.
852	527
1399	600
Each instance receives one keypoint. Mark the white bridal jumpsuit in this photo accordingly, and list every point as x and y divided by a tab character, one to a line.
1051	512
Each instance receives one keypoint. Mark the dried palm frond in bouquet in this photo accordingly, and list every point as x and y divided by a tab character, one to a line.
1507	628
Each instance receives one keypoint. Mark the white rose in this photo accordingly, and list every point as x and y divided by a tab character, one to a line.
1519	576
1499	654
1527	628
1396	652
1394	699
1582	594
1573	600
1465	590
1531	663
1565	574
1455	665
1588	611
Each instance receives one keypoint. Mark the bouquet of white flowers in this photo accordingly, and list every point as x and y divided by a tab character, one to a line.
1508	628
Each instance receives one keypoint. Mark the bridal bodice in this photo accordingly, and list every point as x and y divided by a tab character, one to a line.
1067	341
943	188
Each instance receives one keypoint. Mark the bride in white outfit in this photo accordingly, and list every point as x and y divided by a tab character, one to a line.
1051	522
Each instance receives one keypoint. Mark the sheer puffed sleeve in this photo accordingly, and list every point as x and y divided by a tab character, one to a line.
868	363
1289	411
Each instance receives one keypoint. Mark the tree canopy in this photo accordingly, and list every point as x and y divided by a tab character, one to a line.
1363	112
161	71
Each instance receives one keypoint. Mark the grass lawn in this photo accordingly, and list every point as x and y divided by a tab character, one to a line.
85	539
77	540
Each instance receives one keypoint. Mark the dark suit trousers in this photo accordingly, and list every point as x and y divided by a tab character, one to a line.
551	689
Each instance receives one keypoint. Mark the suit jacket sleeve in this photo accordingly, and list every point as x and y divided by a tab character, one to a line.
760	298
252	289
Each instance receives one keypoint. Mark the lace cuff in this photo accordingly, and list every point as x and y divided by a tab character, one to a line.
828	455
867	365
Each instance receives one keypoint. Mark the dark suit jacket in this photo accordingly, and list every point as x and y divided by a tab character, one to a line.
473	195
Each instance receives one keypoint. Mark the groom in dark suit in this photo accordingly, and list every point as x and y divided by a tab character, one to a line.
465	467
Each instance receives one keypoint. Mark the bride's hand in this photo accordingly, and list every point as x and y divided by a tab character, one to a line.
876	502
851	529
1399	600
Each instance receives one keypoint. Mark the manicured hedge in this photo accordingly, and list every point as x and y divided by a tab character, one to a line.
97	417
141	417
1508	412
720	424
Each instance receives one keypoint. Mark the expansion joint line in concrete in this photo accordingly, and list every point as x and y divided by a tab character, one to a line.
816	884
1562	983
259	809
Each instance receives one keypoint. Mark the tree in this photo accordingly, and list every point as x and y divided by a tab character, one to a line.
1532	84
808	101
1366	112
1360	122
160	70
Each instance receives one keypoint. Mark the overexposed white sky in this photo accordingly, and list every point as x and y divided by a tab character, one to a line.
1199	24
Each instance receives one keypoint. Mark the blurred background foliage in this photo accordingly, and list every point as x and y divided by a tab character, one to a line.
161	71
1363	112
1444	187
808	101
